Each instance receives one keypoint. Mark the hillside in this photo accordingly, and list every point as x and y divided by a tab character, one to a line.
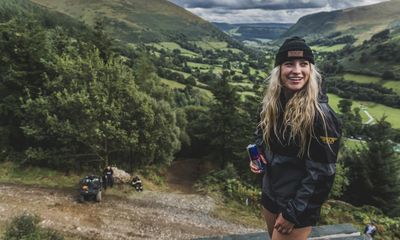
376	56
137	20
356	21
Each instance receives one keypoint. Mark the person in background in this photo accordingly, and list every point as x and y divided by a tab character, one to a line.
370	230
137	184
298	136
108	177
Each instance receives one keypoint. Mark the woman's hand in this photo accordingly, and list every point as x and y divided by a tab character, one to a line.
254	168
283	226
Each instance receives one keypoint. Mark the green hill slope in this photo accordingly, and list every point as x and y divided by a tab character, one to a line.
137	20
361	22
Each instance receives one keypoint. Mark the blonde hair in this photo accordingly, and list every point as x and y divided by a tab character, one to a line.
300	111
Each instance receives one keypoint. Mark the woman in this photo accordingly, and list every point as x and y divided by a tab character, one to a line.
299	134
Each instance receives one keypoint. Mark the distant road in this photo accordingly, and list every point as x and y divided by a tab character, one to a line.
370	118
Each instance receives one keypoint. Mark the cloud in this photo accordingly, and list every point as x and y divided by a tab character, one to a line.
252	4
252	11
250	16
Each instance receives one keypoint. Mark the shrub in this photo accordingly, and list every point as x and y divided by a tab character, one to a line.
24	227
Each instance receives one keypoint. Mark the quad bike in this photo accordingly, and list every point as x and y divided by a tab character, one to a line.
90	188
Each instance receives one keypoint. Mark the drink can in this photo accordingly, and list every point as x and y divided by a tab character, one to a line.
255	156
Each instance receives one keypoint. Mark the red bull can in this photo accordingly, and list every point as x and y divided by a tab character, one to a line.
255	157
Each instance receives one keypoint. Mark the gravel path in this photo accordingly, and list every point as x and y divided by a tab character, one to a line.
146	215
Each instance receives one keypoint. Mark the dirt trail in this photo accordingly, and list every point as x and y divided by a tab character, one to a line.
146	215
183	174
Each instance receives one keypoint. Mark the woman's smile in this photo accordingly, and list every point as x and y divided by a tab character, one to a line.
295	74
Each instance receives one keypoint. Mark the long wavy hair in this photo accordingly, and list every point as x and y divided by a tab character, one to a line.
298	115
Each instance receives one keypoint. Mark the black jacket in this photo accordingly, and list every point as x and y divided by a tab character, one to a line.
301	185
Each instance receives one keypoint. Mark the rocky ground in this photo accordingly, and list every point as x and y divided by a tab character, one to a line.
146	215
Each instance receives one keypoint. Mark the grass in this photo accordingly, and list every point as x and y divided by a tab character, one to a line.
247	84
376	110
239	213
207	93
11	173
171	46
200	84
333	48
173	84
395	85
183	73
198	65
211	45
361	78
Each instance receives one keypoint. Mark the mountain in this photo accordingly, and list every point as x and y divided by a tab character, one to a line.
254	31
137	20
361	22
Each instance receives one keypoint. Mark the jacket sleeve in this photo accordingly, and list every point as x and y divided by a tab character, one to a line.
320	165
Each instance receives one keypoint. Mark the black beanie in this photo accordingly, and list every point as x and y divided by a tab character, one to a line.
294	48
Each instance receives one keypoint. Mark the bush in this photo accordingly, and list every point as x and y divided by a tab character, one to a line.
228	183
24	227
338	212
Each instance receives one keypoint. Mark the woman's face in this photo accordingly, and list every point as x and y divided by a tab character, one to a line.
295	74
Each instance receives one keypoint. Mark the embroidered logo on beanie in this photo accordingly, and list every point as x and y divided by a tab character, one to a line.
294	48
295	53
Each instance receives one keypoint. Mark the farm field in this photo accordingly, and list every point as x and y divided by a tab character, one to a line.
333	48
376	110
359	78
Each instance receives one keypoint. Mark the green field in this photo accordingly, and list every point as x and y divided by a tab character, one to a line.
210	45
333	48
198	65
243	84
395	85
213	45
172	84
200	84
171	46
376	110
183	73
207	93
361	78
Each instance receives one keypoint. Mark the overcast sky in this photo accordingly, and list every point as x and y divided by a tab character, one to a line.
256	11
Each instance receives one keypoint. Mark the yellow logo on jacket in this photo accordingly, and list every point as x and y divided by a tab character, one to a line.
328	140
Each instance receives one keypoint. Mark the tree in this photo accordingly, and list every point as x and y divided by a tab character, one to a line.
345	106
102	40
25	62
94	108
229	123
374	171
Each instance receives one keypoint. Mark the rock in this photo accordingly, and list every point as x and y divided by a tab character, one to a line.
120	176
